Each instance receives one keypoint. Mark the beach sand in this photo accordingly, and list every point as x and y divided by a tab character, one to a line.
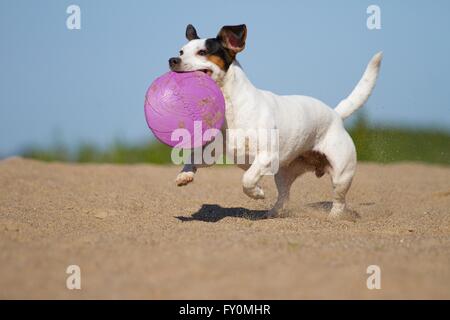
135	234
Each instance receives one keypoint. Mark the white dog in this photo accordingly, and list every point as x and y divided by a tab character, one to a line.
312	136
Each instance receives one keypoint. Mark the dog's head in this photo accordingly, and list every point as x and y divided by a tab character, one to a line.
213	55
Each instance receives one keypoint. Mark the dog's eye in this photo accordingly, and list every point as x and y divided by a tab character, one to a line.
201	52
181	52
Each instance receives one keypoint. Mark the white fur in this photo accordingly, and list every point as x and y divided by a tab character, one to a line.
363	89
304	124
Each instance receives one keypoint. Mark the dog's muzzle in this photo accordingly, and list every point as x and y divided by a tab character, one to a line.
174	63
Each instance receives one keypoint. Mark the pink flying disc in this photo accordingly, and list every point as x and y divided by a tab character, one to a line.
190	101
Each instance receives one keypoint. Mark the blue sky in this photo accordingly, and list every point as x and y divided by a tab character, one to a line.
88	85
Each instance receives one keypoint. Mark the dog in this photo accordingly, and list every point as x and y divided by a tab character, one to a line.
312	136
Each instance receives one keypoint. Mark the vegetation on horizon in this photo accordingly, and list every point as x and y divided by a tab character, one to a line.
372	144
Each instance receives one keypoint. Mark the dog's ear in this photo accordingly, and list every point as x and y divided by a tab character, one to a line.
191	33
233	37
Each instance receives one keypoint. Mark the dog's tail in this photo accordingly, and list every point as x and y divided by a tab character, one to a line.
363	89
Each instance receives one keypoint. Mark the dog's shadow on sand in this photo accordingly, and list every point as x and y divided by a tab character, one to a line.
215	213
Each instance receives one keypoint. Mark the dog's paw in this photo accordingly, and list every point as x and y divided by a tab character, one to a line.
341	212
184	178
277	212
343	215
254	193
271	214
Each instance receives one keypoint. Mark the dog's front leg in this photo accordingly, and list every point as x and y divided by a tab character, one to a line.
261	166
186	175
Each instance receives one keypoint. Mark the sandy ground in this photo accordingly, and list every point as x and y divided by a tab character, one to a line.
134	234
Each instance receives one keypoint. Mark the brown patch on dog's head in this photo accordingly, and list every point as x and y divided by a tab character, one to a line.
218	61
222	50
212	56
218	54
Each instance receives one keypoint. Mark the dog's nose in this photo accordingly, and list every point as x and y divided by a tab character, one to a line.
174	61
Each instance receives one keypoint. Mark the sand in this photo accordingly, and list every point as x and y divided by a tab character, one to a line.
134	234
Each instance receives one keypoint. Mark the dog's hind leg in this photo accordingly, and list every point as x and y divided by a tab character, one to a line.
284	179
342	169
341	184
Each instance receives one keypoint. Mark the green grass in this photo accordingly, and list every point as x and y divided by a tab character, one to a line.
118	152
400	144
372	144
